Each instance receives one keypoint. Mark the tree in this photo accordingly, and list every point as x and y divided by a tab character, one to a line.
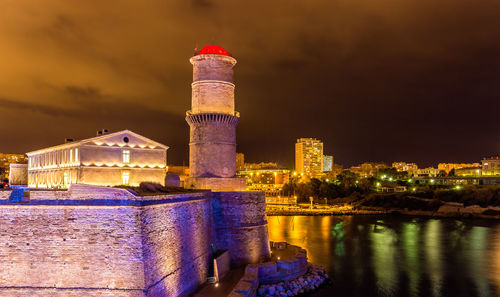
452	172
347	178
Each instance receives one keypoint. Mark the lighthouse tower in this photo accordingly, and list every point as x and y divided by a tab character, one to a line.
212	121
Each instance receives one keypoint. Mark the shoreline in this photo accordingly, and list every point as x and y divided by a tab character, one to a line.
456	212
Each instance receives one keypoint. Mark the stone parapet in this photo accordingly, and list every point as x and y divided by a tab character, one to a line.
215	184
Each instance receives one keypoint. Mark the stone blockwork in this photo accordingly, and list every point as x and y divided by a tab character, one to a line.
66	243
176	239
216	138
69	247
216	184
241	225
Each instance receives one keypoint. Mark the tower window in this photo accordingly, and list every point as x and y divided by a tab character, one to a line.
126	156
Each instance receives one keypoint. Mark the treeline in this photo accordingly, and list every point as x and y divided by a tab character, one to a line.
348	188
347	185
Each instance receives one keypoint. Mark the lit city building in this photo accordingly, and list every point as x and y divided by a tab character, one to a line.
429	171
411	168
491	166
271	181
368	169
447	167
6	160
261	165
469	171
327	163
120	158
309	157
240	161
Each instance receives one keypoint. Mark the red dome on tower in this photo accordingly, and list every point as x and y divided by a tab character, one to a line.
214	50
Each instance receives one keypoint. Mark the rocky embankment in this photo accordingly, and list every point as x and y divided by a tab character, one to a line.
308	282
447	210
458	210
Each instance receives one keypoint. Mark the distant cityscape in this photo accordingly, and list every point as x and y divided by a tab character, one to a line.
56	168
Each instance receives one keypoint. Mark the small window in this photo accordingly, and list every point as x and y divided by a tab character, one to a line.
126	156
125	177
125	139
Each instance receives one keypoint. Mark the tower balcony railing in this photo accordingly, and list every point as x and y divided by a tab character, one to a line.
235	113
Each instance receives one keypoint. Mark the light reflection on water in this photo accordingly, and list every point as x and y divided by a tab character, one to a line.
397	255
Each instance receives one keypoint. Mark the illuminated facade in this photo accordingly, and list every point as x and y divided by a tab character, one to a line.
411	168
469	171
271	181
6	160
429	171
447	167
327	163
261	165
120	158
240	161
309	157
491	166
368	169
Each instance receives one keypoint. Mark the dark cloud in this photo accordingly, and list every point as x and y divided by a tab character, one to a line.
381	80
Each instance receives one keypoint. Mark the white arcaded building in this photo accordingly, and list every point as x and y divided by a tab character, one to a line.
120	158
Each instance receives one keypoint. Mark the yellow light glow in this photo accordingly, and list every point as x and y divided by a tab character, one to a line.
98	143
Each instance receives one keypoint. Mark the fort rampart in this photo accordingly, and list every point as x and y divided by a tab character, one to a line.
97	241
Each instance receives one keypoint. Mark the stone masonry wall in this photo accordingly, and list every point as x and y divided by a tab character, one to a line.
176	240
217	140
160	247
64	243
70	247
241	226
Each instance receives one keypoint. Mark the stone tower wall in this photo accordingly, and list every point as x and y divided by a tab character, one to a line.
241	226
212	120
212	135
212	97
213	67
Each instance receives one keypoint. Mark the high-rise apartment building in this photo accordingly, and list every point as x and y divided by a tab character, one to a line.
240	161
309	156
327	163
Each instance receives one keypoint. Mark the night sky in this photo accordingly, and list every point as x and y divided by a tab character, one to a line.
386	80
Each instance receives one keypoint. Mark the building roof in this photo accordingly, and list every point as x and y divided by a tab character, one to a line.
214	50
94	139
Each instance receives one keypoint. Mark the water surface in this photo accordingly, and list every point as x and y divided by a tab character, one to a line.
398	255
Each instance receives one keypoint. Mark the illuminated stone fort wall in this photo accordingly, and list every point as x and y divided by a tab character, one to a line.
95	241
